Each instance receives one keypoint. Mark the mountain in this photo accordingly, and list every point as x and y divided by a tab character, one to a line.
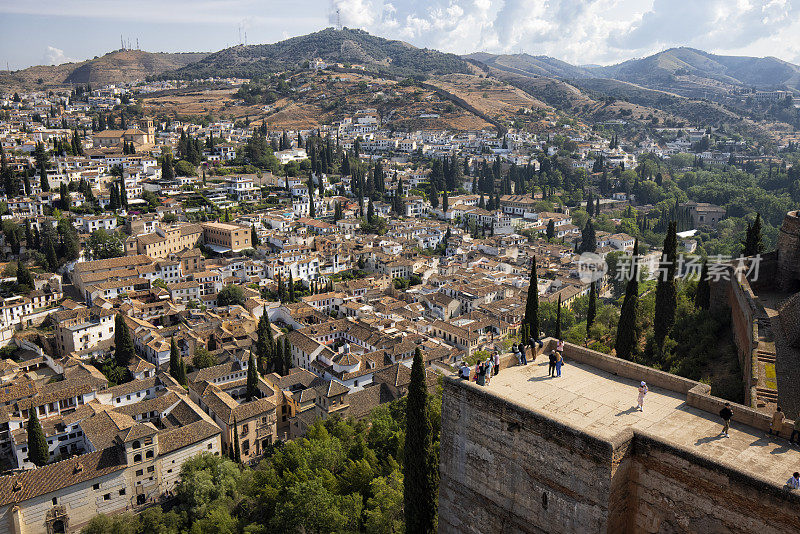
115	67
528	64
671	65
334	46
682	70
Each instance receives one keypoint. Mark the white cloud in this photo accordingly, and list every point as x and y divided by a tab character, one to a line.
581	31
55	56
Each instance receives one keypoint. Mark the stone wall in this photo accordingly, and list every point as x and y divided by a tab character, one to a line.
507	468
789	253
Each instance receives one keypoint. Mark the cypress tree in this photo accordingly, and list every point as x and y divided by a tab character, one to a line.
445	201
287	355
254	236
123	344
174	359
212	342
252	378
702	296
38	451
29	242
666	292
236	455
43	182
532	304
181	378
591	311
291	288
588	238
627	330
753	243
558	319
24	277
419	489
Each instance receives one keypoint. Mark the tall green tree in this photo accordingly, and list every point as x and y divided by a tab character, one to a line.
24	277
627	330
702	296
236	454
754	243
123	344
591	311
38	451
588	238
65	197
252	378
287	355
550	231
558	319
254	236
666	291
419	491
532	304
174	359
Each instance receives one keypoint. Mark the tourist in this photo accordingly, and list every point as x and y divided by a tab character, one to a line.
777	422
496	362
533	341
795	431
520	349
794	482
481	374
559	363
726	415
560	346
465	371
552	368
489	367
642	392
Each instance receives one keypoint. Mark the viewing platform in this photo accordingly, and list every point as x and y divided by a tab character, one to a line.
530	453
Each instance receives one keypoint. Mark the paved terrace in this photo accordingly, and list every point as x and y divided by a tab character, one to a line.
603	403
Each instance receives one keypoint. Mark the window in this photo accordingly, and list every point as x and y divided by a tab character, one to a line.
96	486
55	500
137	458
139	472
151	469
210	446
122	491
148	454
107	497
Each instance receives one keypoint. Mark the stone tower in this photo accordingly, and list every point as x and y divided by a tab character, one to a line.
789	253
146	125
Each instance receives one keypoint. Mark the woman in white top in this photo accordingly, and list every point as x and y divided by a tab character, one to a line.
642	392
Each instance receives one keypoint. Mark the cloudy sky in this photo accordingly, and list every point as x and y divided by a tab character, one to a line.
578	31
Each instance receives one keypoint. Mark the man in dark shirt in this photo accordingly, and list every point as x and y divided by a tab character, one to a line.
552	363
726	415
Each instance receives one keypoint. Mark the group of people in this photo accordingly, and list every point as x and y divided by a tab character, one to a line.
484	370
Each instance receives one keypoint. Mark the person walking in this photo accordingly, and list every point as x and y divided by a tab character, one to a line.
642	392
794	482
559	363
777	422
795	431
552	369
726	415
496	362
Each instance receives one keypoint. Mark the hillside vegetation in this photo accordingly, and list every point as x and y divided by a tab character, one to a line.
346	46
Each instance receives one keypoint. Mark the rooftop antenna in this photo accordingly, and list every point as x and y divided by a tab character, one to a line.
338	19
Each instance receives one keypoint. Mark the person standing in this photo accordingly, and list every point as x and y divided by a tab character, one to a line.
489	366
521	352
560	346
726	415
642	392
465	371
552	369
496	362
559	363
481	374
795	430
777	422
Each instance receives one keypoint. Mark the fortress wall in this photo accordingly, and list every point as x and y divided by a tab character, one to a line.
499	460
675	490
508	469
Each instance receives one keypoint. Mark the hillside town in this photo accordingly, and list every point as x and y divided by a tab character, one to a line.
173	287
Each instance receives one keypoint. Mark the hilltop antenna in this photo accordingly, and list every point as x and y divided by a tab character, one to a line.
338	20
121	43
240	33
137	44
245	37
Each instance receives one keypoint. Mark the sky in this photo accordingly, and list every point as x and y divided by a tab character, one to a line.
578	31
